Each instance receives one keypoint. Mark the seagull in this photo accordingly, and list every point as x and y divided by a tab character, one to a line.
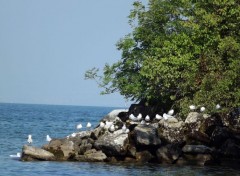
89	125
30	141
166	116
73	135
147	118
124	128
171	112
102	124
112	128
48	139
108	124
132	117
79	126
218	106
192	107
139	117
142	122
158	117
17	156
202	109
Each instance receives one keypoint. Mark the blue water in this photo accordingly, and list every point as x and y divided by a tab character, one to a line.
18	120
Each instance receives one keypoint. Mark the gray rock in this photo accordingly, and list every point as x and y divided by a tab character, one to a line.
30	153
92	156
197	149
146	135
112	144
113	114
199	159
168	154
144	156
193	117
63	149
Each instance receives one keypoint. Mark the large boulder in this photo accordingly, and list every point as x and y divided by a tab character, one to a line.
146	135
30	153
193	117
63	149
112	144
92	156
168	154
197	149
113	114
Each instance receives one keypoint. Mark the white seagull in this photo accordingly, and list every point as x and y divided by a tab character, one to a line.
30	141
158	117
112	128
142	122
79	126
218	106
73	135
202	109
166	116
88	125
139	117
192	107
147	118
48	139
171	112
124	128
132	117
102	124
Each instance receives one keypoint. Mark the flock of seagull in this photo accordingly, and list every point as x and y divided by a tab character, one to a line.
108	125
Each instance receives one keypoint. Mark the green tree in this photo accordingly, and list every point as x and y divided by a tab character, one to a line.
180	52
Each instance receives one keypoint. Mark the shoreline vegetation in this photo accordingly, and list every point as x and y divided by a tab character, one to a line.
201	139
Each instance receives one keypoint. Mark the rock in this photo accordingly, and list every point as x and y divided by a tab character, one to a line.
63	149
92	156
144	156
197	137
30	153
113	114
199	159
172	120
167	124
146	135
230	149
219	136
112	144
208	125
85	146
171	132
168	154
197	149
193	117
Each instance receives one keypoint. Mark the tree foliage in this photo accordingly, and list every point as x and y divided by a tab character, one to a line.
180	52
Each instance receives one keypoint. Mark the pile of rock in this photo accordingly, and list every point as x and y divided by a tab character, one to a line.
201	139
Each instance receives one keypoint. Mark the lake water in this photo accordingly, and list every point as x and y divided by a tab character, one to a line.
19	120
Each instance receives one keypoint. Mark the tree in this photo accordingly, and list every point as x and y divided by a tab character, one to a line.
180	52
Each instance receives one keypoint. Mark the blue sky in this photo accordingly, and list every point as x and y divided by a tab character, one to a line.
47	45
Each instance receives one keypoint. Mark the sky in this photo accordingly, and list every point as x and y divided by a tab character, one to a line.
47	45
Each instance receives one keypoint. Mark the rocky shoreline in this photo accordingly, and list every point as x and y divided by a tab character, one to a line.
200	139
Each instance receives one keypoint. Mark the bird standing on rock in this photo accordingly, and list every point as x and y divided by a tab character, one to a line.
171	112
89	125
79	126
202	109
147	118
158	117
102	124
139	117
218	106
30	141
48	139
192	107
